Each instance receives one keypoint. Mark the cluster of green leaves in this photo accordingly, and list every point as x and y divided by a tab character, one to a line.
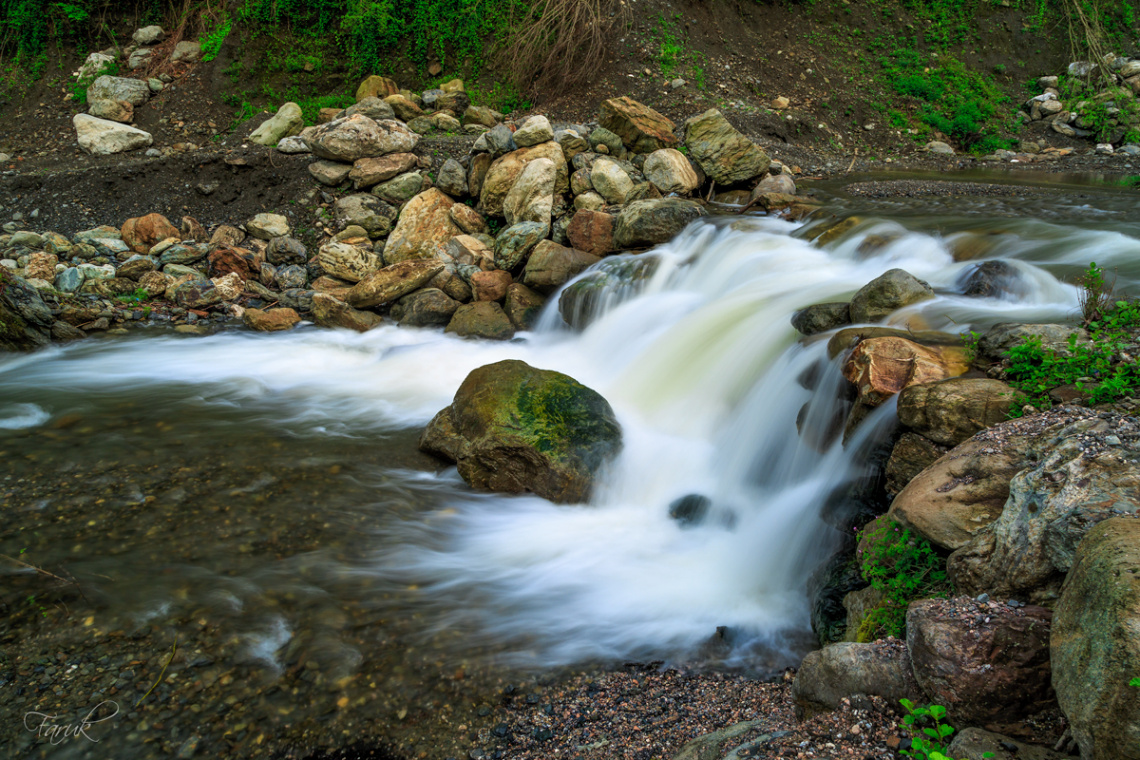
952	99
136	297
669	47
1103	368
79	86
213	37
903	566
927	731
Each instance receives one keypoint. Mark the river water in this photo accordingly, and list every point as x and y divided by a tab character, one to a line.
250	512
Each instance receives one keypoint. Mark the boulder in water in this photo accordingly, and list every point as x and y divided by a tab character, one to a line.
387	284
652	222
427	307
690	510
887	293
24	318
514	428
992	279
481	319
821	317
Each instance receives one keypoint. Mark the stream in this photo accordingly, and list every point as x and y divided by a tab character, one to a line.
253	556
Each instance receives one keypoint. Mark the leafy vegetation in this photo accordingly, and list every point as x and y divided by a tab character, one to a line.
952	99
927	731
1103	368
213	38
903	566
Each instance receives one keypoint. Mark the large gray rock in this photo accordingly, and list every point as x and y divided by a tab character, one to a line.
452	179
829	675
1001	337
642	224
187	51
134	91
372	214
287	122
533	131
1079	474
356	137
611	181
726	156
148	35
887	293
103	138
516	428
1096	642
372	107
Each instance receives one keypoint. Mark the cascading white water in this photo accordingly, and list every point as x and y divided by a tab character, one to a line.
703	370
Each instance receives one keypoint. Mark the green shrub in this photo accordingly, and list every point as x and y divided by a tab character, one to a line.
903	566
1102	367
213	38
928	732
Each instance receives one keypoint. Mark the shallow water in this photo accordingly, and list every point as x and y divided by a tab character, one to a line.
257	501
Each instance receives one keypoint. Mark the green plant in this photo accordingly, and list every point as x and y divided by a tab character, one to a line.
970	344
669	48
79	87
1101	367
928	731
903	566
213	38
136	297
1135	682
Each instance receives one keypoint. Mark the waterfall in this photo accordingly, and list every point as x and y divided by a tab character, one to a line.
707	377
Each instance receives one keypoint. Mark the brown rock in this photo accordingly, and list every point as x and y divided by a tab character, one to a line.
155	283
41	266
270	320
551	266
481	319
881	367
367	172
640	128
911	455
141	233
404	109
334	286
592	232
490	286
391	282
226	259
424	229
376	87
192	230
477	172
325	115
950	411
330	311
468	219
226	235
523	306
985	663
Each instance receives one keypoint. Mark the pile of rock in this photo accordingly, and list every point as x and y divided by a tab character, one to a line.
111	100
412	241
1104	109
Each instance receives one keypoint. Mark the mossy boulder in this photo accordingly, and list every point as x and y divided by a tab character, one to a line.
514	428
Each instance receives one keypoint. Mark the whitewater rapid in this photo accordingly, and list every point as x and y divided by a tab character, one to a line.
704	372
